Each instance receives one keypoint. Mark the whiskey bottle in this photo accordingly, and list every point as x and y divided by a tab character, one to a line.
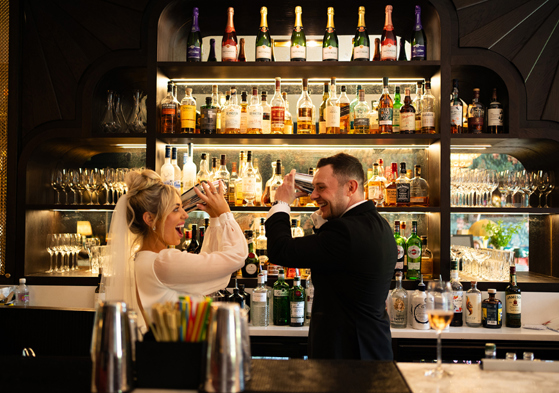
231	196
344	112
332	110
352	105
389	47
476	115
401	247
398	305
407	115
229	41
298	41
322	109
254	114
281	300
260	303
168	112
375	187
288	122
262	246
417	105
457	299
513	310
385	110
304	110
233	114
361	42
403	187
249	182
419	42
188	113
330	40
396	111
278	110
244	113
428	104
208	117
492	311
495	115
419	189
277	181
250	269
223	174
297	303
473	306
391	191
413	250
456	110
263	40
361	115
426	259
194	41
203	173
266	115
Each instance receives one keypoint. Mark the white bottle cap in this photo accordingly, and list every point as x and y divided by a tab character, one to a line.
22	280
261	278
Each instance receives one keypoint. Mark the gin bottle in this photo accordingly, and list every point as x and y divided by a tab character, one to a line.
473	306
281	300
457	299
249	182
428	103
418	311
398	304
297	303
260	303
309	298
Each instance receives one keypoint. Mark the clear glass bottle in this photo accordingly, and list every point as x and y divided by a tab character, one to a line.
177	178
231	197
188	170
403	187
413	251
22	294
167	171
456	110
239	196
361	111
473	306
352	105
204	172
322	109
373	118
233	114
297	303
249	182
419	189
262	246
426	259
476	115
330	40
278	110
389	45
385	110
398	305
281	300
213	169
244	113
428	104
288	123
188	113
266	115
344	112
263	40
217	105
375	187
168	112
277	181
259	303
396	111
417	105
298	50
495	115
223	174
258	195
361	42
304	110
458	300
418	307
254	112
332	110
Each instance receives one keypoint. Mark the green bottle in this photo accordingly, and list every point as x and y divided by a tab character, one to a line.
250	269
281	300
298	40
401	246
413	246
361	43
263	40
297	303
330	40
396	111
352	108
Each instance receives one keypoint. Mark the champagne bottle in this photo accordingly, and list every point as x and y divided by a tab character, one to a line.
402	56
388	48
229	41
330	40
211	56
242	56
361	43
194	42
418	43
298	40
263	40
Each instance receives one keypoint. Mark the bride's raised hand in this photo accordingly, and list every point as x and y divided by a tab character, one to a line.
215	203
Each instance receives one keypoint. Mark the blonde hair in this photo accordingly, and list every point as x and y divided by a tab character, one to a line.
147	193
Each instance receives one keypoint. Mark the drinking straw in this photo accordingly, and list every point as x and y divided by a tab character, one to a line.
191	322
201	313
205	322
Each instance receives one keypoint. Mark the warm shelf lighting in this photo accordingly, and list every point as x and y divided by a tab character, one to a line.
290	81
307	147
84	228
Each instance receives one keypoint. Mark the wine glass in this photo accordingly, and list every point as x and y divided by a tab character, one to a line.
74	183
63	248
55	183
550	186
503	187
543	184
440	312
109	121
51	245
109	184
101	186
527	186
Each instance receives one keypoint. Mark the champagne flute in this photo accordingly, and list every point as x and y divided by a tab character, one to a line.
55	183
543	183
440	312
51	245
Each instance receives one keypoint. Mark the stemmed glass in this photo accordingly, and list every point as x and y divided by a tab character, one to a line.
56	183
526	186
440	312
543	184
503	187
51	246
110	183
550	186
89	243
63	249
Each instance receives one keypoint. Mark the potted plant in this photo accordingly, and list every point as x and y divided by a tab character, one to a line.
500	234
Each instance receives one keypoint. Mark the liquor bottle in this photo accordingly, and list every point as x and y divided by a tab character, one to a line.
277	180
259	303
401	247
306	201
211	55
249	182
22	294
258	194
407	115
398	305
473	306
266	115
361	43
244	113
330	40
217	105
309	299
232	182
492	311
298	40
208	117
402	56
263	40
168	111
296	230
288	122
428	104
254	114
456	110
167	171
418	43
385	110
262	246
426	259
389	47
322	109
188	171
248	298
391	191
403	232
396	111
202	231
413	250
375	187
239	196
344	112
233	115
193	246
236	297
178	110
203	173
278	110
213	169
242	55
376	53
513	310
281	300
304	110
229	41
361	115
250	269
223	174
99	296
403	187
419	189
417	106
194	41
476	115
332	110
188	113
352	109
495	115
418	307
177	178
457	299
297	303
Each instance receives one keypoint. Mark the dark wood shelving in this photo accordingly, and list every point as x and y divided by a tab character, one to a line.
313	209
70	207
504	210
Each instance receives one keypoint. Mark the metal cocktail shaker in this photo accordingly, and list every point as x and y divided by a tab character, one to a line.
111	349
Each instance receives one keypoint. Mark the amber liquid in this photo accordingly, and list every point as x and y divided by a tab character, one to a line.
440	319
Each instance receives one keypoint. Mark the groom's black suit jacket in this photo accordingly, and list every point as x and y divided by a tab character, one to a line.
352	261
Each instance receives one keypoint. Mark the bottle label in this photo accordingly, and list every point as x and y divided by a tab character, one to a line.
262	257
278	116
400	252
396	120
457	300
281	292
414	252
244	122
361	52
255	118
23	297
298	52
249	185
427	119
399	311
304	115
297	312
344	110
168	109
388	51
266	122
418	51
385	116
513	303
208	119
473	308
309	306
493	314
251	268
475	124
375	192
332	116
259	297
188	116
399	265
264	52
420	317
456	115
413	265
495	117
407	122
391	197
361	123
168	175
403	190
330	53
229	52
232	118
194	52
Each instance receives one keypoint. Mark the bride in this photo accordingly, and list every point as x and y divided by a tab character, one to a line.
148	218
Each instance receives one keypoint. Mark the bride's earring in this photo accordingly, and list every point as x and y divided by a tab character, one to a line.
153	228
